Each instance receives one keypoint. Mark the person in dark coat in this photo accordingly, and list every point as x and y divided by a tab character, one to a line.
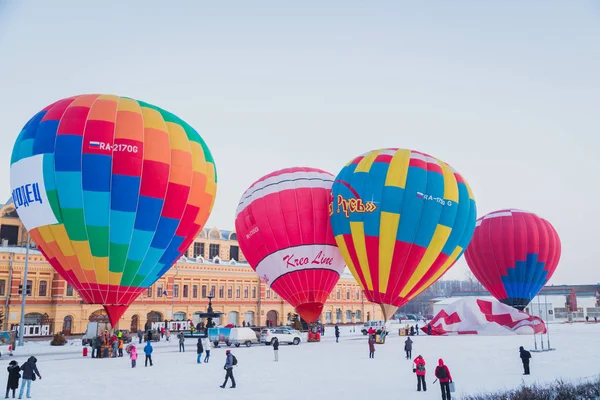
276	348
229	368
408	348
148	351
525	357
199	350
13	378
371	346
337	334
30	370
429	329
442	373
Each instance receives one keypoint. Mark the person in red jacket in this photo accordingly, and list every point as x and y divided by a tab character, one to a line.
443	374
420	371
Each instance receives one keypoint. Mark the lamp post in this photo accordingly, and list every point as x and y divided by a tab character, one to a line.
353	314
22	322
173	294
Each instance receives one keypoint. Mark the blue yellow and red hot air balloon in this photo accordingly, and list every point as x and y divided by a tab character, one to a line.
401	219
113	191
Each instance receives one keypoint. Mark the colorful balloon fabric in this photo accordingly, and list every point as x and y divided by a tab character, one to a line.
513	254
401	219
113	191
283	229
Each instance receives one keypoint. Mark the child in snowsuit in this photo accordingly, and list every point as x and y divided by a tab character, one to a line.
443	374
13	378
199	351
121	348
420	371
371	346
133	356
148	351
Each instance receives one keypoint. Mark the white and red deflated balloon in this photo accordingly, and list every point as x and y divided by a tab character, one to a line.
282	225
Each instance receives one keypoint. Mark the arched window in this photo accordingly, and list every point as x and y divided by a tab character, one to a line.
202	234
33	319
328	317
348	316
214	234
43	290
358	316
179	316
338	315
233	236
67	324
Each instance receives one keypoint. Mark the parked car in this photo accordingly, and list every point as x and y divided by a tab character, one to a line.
244	336
283	335
375	324
428	317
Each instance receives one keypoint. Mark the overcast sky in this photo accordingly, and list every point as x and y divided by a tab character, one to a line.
507	92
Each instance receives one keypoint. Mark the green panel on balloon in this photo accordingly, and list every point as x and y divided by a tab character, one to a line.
118	255
75	224
137	281
98	240
53	200
130	271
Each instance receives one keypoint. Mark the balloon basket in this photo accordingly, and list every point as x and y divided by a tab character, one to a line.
314	337
380	339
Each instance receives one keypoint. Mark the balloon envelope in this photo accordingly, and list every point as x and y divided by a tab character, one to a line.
112	191
513	254
283	229
401	219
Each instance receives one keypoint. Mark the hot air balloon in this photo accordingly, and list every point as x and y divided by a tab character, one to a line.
513	254
401	219
283	229
113	191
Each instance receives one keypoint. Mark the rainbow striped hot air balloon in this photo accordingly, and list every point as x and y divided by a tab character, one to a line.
113	191
401	219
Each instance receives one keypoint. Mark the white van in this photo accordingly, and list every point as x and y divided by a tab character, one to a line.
245	336
375	324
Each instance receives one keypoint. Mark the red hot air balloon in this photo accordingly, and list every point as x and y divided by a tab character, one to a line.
283	228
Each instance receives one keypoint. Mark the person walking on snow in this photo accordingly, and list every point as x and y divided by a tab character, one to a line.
206	345
115	348
30	370
442	373
199	350
230	361
525	357
276	348
181	340
420	371
372	346
337	334
140	336
148	351
133	356
408	348
13	378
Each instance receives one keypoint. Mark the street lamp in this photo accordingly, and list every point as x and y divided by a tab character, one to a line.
22	322
353	314
173	294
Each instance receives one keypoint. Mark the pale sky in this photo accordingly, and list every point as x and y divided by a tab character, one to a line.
507	92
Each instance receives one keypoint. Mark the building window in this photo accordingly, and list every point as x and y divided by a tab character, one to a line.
2	287
159	290
213	250
30	287
268	293
198	249
246	291
69	290
149	291
233	236
338	315
234	253
337	294
43	288
175	290
348	294
358	315
212	291
237	292
203	291
229	292
195	291
357	294
275	296
253	292
185	291
348	316
221	292
214	235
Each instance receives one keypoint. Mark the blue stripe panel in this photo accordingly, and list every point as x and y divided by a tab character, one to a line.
69	189
46	137
461	219
125	192
339	223
48	171
140	242
121	226
96	170
68	153
519	282
372	191
432	209
152	257
171	254
392	199
357	182
30	130
26	148
97	205
468	234
148	213
164	232
416	181
153	276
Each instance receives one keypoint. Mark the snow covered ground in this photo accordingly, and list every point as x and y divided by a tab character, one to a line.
315	370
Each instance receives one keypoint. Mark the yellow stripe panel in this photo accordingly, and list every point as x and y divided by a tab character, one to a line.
110	97
153	119
388	227
101	264
398	169
358	237
84	254
115	277
469	189
439	272
62	239
365	164
178	138
46	233
450	185
129	105
439	239
198	159
346	255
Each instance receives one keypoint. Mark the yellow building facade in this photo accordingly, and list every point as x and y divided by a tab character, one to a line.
213	265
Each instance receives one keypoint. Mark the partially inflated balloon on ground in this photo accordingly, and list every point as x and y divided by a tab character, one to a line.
113	191
283	229
513	254
401	219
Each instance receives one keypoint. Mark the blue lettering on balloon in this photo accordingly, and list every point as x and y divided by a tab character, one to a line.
25	195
